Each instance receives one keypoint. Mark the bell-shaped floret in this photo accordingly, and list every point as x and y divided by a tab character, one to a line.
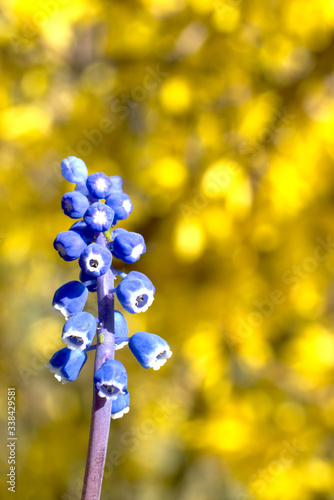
74	204
135	292
70	298
79	331
111	379
149	349
95	260
69	245
127	246
66	364
121	205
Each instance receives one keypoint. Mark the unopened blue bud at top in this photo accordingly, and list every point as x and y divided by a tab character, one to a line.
149	349
66	364
95	260
135	292
70	298
74	170
69	245
99	217
128	246
99	185
111	379
121	205
120	406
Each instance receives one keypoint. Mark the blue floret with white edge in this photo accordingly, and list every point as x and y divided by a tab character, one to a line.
66	364
127	246
135	292
111	379
70	298
95	260
79	331
149	349
121	205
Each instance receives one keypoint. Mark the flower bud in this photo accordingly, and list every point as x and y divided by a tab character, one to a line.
121	205
74	170
99	217
74	204
69	245
99	185
127	246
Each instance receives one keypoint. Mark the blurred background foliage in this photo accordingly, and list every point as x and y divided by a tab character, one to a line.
219	116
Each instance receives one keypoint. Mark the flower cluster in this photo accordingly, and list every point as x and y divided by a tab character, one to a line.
100	203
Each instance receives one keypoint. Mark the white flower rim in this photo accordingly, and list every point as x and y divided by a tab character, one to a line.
120	413
156	363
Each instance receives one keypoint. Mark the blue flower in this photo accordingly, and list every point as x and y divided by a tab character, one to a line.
99	185
74	170
79	331
135	292
116	183
95	260
120	406
121	205
69	245
66	364
70	298
74	204
99	217
149	349
127	246
81	228
111	379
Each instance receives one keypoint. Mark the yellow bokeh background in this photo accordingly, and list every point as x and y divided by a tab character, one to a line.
219	116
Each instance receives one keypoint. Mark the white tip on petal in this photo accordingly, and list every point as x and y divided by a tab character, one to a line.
161	358
127	206
120	413
119	346
137	251
62	310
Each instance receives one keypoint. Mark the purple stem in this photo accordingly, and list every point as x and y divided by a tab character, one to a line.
101	410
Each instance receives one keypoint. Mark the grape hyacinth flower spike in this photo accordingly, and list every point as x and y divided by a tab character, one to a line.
98	201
